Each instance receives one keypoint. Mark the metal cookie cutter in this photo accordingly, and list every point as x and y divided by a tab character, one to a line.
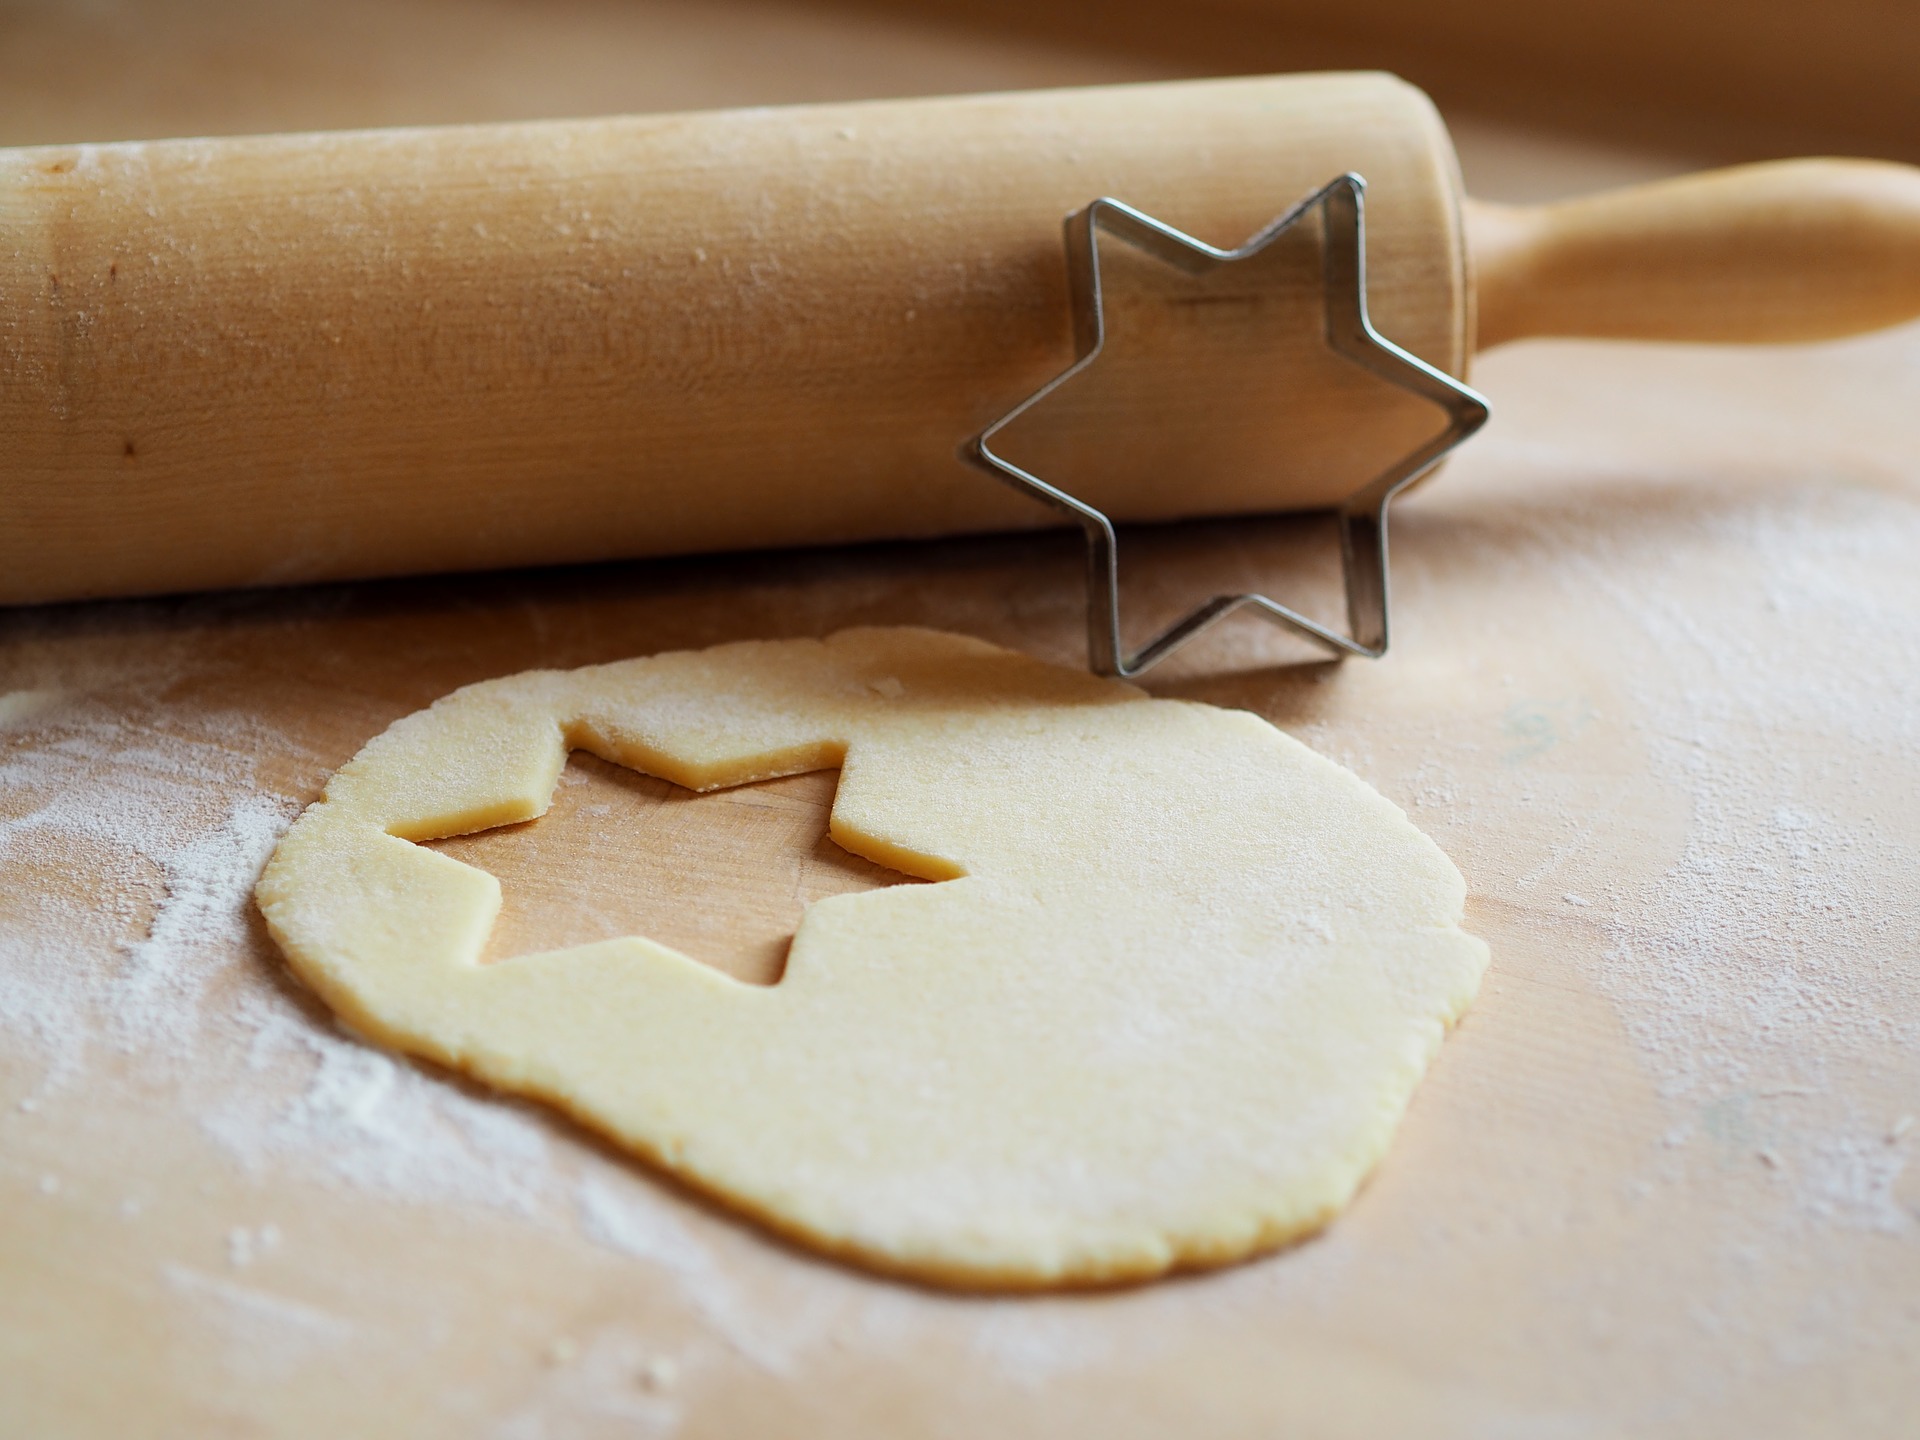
1362	516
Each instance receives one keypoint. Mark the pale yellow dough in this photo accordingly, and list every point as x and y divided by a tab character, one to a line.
1166	1009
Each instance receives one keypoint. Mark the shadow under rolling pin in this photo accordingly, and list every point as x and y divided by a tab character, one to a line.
284	359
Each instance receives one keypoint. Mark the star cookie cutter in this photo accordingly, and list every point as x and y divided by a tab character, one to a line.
1362	517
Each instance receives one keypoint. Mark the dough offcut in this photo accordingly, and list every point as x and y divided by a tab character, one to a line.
1165	1009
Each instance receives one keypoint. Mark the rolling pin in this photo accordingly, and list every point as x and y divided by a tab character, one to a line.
283	359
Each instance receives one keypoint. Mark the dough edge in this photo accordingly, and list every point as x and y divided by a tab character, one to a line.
1112	1256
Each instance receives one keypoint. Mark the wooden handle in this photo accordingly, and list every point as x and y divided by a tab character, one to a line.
1788	251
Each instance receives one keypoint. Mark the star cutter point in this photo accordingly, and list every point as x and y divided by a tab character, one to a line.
1362	517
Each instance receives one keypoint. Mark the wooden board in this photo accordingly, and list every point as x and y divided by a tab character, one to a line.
1653	686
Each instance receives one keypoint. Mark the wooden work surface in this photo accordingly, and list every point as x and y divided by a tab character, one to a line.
1654	685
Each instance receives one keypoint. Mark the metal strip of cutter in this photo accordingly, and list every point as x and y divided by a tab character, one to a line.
1362	517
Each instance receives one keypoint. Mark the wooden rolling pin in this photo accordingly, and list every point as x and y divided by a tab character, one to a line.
294	358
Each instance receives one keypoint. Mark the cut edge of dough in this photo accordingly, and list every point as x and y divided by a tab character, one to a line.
1105	1262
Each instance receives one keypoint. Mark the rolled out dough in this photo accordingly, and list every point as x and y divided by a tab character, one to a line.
1165	1010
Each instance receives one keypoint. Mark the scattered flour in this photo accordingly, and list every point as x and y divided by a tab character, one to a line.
244	1246
1760	975
623	1217
1774	947
269	1336
162	969
161	982
17	707
160	994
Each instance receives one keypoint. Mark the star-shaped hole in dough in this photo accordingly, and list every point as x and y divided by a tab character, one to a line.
723	876
1173	338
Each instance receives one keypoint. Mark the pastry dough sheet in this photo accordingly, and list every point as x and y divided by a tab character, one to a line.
1165	1009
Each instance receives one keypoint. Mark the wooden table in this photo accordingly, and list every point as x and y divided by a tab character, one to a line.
1654	686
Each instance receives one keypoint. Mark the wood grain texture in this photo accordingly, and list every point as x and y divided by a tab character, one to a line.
723	878
1721	80
1838	75
1790	251
282	359
1619	660
1731	80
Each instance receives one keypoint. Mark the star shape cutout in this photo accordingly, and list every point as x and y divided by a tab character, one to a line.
1361	517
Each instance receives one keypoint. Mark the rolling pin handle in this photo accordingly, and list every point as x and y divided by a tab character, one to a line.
1787	251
